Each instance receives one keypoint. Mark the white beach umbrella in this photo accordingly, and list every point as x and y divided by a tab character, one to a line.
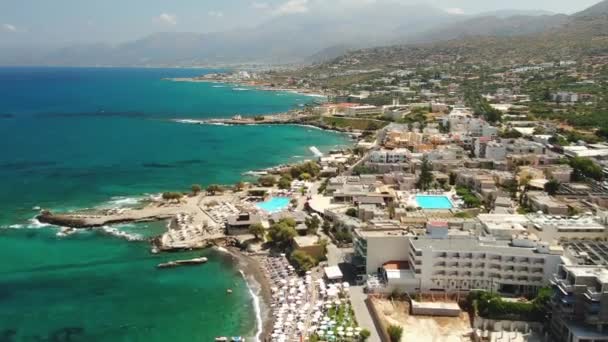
349	333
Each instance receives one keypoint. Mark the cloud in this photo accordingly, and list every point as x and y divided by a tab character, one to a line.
216	14
168	19
455	11
9	28
260	5
292	7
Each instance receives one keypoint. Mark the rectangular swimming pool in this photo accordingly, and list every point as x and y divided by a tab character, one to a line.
274	204
433	202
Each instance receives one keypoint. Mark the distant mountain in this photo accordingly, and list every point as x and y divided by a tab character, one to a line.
311	37
558	37
512	13
495	26
598	9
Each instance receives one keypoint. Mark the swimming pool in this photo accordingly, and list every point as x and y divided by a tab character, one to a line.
433	202
274	204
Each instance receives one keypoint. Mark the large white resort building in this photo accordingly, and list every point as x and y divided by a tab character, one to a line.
444	262
507	253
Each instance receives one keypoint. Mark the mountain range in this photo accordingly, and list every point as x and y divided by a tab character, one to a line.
497	40
313	37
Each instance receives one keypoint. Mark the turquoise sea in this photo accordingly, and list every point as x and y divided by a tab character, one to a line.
80	138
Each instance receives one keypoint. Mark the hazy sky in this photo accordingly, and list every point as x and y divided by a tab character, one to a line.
68	21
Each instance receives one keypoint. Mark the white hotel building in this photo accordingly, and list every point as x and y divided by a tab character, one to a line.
458	263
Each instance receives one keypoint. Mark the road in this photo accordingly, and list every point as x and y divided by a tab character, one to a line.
364	319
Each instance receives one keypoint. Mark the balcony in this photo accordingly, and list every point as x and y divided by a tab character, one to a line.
440	264
593	294
563	285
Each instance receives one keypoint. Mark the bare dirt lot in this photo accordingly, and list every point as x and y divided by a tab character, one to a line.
423	328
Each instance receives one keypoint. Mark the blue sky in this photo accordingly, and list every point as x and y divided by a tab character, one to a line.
69	21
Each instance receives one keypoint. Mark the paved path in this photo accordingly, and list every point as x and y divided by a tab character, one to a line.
364	319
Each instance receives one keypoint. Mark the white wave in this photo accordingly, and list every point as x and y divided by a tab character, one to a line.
121	234
219	124
241	89
123	201
188	121
14	226
219	86
256	308
35	224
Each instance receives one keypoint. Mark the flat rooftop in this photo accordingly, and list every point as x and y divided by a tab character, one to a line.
463	245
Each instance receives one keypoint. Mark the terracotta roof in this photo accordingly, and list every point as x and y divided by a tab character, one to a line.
396	265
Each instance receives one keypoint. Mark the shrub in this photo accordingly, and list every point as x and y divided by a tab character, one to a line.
364	335
196	188
394	332
267	181
352	212
303	261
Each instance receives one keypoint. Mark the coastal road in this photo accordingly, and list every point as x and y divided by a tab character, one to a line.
364	319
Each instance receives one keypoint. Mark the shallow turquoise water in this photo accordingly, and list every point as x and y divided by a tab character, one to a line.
78	138
433	202
274	204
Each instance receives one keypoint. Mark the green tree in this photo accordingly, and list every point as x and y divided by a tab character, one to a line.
305	176
239	186
364	335
326	227
312	224
284	183
281	234
196	189
585	168
426	176
552	186
303	261
213	189
394	332
267	181
510	134
352	212
172	196
257	230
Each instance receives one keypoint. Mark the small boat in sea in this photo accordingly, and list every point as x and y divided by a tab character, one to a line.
189	262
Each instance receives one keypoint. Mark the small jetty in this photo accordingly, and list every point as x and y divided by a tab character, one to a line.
176	263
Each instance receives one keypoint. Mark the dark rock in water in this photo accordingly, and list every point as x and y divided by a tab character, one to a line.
6	116
67	334
8	335
157	165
